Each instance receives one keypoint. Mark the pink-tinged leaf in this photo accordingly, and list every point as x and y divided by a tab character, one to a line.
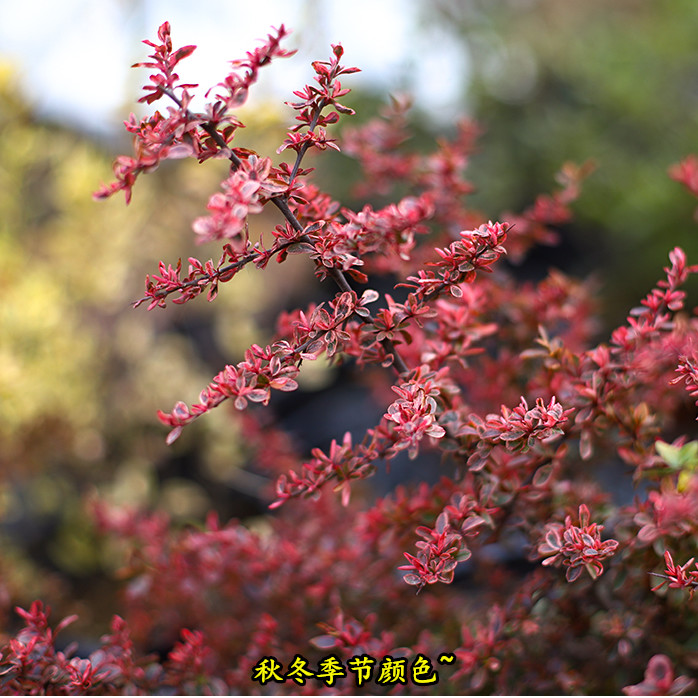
436	431
584	515
648	533
588	540
324	642
573	573
412	560
345	489
442	522
543	475
183	52
163	33
413	579
449	567
173	436
552	538
369	296
471	523
300	248
513	435
69	620
388	361
258	395
424	532
593	570
285	385
447	577
181	410
660	671
313	350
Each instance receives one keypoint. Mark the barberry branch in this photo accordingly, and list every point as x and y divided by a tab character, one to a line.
281	203
516	437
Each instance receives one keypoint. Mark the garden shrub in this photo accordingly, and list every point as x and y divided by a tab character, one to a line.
507	567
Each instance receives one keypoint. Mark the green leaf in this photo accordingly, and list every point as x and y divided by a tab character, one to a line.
679	457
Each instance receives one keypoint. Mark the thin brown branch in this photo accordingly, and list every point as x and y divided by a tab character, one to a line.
281	202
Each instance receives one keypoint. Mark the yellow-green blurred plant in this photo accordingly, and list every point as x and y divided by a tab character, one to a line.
81	372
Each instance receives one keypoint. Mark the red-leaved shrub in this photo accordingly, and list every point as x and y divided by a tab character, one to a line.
530	576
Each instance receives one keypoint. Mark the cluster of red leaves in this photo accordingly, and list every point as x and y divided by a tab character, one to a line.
669	512
678	576
439	553
504	380
253	593
686	172
182	133
31	665
313	102
576	547
660	681
245	192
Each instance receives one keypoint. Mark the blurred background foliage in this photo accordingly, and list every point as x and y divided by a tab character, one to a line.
82	373
615	83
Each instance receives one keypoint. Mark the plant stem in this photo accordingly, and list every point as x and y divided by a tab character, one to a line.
281	203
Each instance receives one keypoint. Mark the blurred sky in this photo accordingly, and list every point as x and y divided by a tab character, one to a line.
73	56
